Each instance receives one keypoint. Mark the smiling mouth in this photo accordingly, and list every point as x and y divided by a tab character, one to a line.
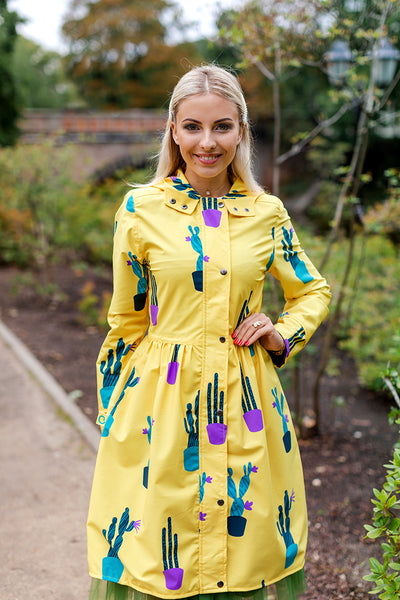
208	158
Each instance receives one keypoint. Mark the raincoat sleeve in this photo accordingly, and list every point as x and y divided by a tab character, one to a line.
306	292
128	315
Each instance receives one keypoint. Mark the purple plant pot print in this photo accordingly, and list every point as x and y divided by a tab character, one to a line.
112	568
198	280
287	441
153	314
139	300
254	420
236	525
173	578
212	217
105	395
172	372
217	433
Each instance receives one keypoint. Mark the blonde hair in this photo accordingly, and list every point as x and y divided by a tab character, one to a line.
208	79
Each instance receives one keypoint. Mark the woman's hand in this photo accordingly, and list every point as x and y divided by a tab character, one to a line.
259	327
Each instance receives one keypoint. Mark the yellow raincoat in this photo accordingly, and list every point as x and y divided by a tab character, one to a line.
198	486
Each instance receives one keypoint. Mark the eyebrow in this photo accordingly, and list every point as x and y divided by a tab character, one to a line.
217	121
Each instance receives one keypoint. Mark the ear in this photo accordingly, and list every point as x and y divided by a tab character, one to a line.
240	135
174	135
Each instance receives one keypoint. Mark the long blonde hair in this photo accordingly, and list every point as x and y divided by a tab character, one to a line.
208	79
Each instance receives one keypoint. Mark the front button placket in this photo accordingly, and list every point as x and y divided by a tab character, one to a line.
213	435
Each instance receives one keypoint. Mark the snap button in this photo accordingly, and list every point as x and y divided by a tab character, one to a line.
221	204
220	584
184	206
220	502
223	271
220	413
173	201
222	339
247	209
234	208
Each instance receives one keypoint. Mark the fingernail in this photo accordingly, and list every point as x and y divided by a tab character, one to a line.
247	344
233	335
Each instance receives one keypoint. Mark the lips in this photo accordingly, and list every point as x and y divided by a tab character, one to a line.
208	159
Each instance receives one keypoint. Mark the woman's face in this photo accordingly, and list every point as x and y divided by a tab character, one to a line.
207	131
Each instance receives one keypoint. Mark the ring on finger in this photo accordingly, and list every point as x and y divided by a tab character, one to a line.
257	324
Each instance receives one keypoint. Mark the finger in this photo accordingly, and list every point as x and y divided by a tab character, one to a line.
251	328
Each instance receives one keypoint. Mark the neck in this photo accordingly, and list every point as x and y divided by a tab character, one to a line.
214	189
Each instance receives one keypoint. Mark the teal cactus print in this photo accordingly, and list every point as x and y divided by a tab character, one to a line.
185	187
112	566
279	405
131	382
216	428
283	526
130	204
271	258
154	299
245	311
173	365
251	413
147	431
140	270
197	246
211	214
236	521
291	256
203	479
296	338
191	453
172	572
111	371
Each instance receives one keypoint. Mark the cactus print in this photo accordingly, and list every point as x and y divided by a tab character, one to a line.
251	413
244	312
211	214
291	256
147	431
236	521
112	567
130	204
172	572
111	371
284	529
216	428
203	479
132	381
271	258
154	299
173	366
197	246
140	270
191	453
279	405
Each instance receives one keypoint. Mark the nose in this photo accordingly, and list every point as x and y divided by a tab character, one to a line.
207	140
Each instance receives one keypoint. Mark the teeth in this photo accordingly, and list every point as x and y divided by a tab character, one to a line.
209	158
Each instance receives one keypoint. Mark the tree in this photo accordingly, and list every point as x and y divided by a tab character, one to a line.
118	54
40	78
8	97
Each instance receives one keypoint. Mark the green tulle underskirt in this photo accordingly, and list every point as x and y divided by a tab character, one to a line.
289	588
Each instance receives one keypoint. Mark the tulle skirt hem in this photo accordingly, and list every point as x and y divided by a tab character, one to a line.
289	588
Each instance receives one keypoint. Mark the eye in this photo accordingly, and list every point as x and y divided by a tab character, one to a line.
224	126
191	127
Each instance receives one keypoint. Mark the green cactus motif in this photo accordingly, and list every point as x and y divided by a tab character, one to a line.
284	529
297	338
203	479
245	311
279	405
216	428
172	572
111	370
272	257
131	382
291	256
140	270
197	246
252	415
191	453
112	567
236	521
147	431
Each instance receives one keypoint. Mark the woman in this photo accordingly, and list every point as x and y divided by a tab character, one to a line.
198	487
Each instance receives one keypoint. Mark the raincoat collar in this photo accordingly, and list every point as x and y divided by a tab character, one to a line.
180	196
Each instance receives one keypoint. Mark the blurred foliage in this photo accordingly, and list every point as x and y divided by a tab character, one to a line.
119	56
9	110
384	217
40	78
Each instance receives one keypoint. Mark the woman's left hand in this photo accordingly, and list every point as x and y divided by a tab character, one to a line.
258	327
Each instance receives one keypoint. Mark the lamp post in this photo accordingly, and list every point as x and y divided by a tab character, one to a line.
338	60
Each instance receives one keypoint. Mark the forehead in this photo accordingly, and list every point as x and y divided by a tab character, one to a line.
207	107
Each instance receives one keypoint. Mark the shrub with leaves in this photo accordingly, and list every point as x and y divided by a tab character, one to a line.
386	515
